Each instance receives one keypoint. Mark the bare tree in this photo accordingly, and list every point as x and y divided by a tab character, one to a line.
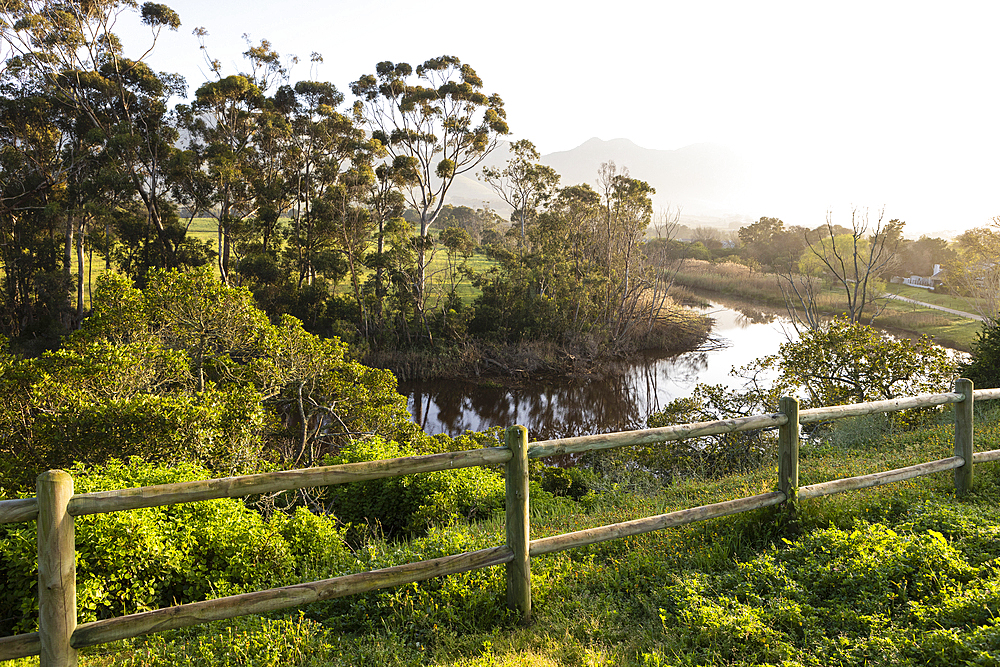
852	259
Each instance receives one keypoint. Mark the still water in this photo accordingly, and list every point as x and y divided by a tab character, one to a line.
567	409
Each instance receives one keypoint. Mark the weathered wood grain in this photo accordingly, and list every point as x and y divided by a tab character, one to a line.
614	531
983	457
16	511
20	646
878	478
56	569
237	487
788	447
113	629
813	415
987	394
518	524
589	443
964	446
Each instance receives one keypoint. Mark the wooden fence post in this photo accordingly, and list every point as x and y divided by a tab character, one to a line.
519	569
788	448
964	445
56	569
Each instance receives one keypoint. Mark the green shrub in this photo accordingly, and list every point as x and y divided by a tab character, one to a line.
156	557
984	367
715	455
250	640
410	505
572	482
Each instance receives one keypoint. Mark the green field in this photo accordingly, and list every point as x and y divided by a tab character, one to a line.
206	230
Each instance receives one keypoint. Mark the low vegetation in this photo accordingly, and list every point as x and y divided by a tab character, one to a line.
904	574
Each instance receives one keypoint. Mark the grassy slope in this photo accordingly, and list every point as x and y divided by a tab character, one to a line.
738	281
903	574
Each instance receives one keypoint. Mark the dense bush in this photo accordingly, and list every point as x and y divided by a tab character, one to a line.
156	557
869	594
188	369
984	367
573	482
846	362
722	454
409	505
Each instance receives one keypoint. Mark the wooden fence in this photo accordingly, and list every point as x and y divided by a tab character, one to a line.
59	636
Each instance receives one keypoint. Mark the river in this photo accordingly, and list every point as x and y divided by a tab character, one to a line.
556	410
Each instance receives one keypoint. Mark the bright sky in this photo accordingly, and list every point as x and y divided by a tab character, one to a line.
876	104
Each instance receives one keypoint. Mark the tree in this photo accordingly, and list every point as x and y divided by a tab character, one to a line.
984	366
919	257
976	271
239	145
478	222
710	237
434	129
627	211
851	259
523	184
326	141
70	47
848	362
760	240
34	133
587	276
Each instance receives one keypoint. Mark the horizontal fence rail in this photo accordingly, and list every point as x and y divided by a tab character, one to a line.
878	478
547	545
813	415
59	636
590	443
102	502
260	602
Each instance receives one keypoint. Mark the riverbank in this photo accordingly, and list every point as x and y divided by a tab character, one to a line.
950	327
680	330
621	400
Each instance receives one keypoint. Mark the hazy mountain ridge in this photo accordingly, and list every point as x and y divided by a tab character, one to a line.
706	181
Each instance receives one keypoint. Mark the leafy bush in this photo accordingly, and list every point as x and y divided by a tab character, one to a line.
293	641
465	602
897	595
191	369
846	362
155	557
410	505
714	455
984	367
573	482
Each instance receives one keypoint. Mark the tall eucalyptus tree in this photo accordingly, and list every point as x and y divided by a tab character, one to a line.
436	124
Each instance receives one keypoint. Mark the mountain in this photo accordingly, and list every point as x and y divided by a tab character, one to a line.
708	182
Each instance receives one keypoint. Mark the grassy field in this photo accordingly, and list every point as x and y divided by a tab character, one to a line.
905	574
206	230
936	298
738	281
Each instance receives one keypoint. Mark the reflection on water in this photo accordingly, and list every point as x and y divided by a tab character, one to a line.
599	406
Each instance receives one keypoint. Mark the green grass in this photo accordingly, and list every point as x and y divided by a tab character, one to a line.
206	230
936	298
904	574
